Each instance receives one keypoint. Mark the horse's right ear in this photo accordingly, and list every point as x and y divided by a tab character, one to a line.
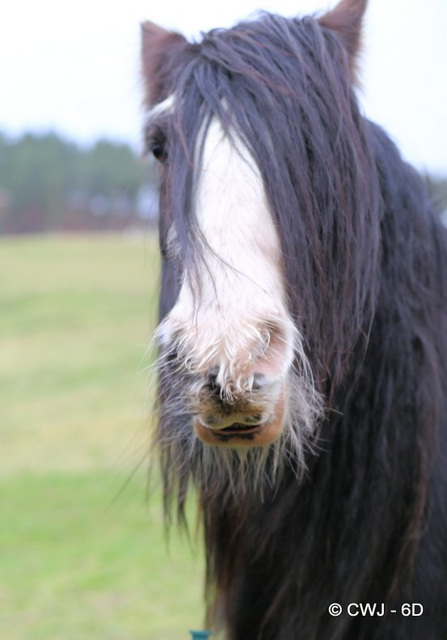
160	51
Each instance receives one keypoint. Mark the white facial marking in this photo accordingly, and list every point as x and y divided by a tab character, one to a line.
240	310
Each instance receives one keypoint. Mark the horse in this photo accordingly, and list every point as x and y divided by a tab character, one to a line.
302	369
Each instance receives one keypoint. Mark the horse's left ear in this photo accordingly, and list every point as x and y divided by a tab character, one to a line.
346	20
161	52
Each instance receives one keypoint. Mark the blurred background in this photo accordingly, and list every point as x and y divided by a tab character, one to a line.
82	547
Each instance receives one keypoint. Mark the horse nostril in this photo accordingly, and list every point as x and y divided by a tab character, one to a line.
211	380
259	381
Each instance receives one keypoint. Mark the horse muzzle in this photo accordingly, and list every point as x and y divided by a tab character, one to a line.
249	418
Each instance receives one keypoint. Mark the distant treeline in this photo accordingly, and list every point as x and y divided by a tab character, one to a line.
48	183
438	187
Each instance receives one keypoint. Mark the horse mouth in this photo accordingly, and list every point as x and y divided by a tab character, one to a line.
263	430
240	435
237	429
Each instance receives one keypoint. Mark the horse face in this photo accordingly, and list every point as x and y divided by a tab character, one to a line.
230	327
227	340
233	371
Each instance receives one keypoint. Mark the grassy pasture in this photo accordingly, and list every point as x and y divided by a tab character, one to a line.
82	549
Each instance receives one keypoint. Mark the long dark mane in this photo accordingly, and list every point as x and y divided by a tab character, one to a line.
365	261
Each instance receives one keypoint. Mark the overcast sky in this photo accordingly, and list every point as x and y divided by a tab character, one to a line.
74	67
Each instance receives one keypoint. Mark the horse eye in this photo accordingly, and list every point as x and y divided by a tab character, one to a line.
156	145
158	150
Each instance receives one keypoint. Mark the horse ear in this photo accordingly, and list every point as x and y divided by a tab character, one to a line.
346	20
160	51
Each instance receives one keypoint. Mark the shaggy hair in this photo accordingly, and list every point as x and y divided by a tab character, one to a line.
365	262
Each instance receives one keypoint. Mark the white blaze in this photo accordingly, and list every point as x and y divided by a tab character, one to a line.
228	323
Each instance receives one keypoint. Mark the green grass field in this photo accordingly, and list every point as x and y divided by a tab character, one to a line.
82	548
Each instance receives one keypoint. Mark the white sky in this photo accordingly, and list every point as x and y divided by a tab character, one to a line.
74	67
